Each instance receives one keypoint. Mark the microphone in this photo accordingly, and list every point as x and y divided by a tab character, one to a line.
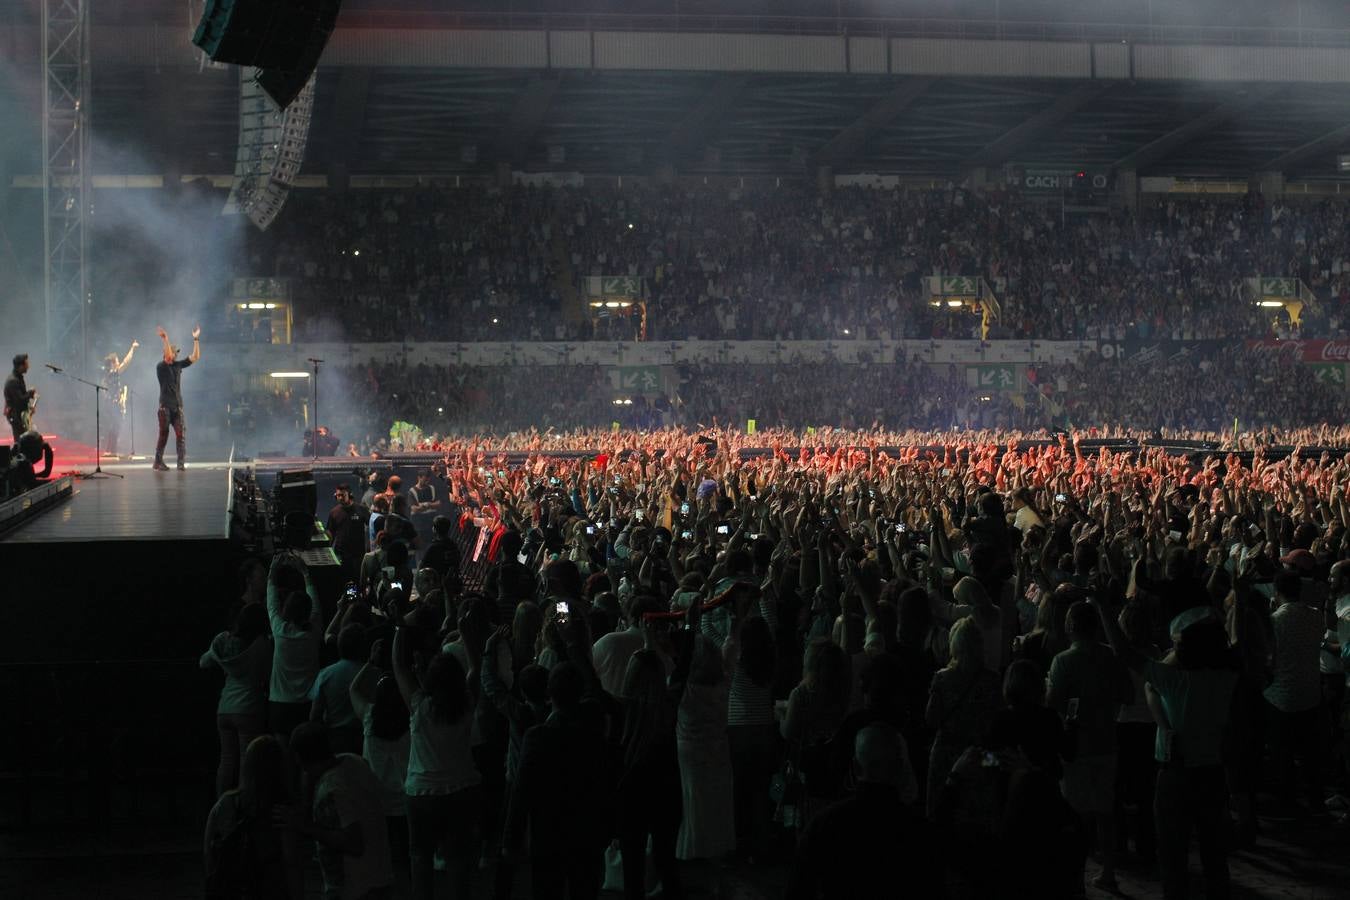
53	368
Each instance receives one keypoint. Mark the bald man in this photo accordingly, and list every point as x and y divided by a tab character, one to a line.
850	849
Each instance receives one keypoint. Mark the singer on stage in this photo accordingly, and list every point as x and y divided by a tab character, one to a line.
117	395
170	372
19	398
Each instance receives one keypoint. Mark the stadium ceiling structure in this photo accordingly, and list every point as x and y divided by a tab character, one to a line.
456	121
375	116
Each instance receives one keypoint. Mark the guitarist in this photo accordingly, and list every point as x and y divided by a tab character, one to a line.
117	395
20	400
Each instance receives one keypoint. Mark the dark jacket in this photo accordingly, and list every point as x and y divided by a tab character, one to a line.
442	555
564	788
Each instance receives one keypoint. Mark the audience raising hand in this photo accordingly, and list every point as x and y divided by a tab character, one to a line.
805	658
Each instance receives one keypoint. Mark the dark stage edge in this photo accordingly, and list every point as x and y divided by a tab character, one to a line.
143	505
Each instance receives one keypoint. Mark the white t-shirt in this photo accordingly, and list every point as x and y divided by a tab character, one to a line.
295	651
389	761
349	792
440	759
1297	685
611	655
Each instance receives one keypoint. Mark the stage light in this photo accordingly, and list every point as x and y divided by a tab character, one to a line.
440	409
257	306
356	253
630	226
269	306
290	374
1271	304
954	303
613	304
243	306
846	331
494	320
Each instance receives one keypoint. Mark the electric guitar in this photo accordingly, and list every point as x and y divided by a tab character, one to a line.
26	416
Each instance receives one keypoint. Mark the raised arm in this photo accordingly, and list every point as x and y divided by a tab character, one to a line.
362	690
403	670
126	360
164	338
196	344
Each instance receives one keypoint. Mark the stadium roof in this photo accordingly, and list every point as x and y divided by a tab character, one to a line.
156	115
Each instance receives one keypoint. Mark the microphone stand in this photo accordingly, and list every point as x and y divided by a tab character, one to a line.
98	431
131	415
314	430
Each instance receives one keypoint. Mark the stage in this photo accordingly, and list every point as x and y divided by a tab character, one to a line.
142	505
138	567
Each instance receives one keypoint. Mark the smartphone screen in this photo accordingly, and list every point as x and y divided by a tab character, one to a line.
684	509
590	529
562	609
639	515
724	529
686	535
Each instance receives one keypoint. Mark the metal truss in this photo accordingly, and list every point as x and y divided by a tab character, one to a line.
66	192
271	150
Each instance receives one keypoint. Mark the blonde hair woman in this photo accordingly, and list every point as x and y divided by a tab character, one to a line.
961	703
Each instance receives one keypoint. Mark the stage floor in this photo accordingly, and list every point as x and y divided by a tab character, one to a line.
143	505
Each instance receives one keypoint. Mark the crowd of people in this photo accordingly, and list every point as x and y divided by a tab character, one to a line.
1072	660
470	263
1194	393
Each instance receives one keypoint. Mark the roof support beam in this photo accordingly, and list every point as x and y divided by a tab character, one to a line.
1010	142
846	144
690	135
513	143
1327	143
1162	147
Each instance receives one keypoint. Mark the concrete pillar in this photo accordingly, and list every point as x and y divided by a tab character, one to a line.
824	179
1270	184
1127	188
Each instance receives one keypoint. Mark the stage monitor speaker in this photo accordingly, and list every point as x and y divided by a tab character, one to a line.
282	38
297	492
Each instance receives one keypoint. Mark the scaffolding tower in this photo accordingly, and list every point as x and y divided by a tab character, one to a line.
66	192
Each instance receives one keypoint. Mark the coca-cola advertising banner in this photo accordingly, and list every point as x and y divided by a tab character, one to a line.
1314	351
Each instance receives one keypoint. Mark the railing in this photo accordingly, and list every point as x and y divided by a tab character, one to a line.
967	29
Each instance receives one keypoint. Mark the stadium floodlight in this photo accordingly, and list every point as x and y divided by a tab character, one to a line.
290	374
